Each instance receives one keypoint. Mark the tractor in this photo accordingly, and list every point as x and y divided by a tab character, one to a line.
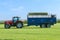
14	22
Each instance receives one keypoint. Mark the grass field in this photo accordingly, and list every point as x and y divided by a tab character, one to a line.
30	33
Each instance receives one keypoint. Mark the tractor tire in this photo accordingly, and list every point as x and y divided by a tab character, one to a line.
7	26
19	25
48	25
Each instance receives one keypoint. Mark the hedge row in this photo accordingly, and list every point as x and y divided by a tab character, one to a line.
58	21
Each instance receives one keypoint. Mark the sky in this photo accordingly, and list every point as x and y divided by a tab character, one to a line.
21	8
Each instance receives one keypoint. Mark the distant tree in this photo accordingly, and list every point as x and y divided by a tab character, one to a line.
1	22
58	21
25	21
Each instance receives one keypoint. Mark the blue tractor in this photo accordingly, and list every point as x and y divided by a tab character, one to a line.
42	19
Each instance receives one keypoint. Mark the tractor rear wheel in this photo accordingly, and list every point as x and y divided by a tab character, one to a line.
19	25
7	26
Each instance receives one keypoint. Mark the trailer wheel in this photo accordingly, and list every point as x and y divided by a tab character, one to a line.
43	26
7	26
19	25
40	26
48	25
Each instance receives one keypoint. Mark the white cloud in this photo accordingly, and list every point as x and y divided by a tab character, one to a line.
17	9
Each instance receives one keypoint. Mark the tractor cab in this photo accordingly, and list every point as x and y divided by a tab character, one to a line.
15	19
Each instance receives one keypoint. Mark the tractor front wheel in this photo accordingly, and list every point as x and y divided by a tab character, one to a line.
7	26
19	25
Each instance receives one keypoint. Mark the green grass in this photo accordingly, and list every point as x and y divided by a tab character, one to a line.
30	33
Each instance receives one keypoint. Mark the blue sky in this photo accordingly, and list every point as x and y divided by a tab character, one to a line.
10	8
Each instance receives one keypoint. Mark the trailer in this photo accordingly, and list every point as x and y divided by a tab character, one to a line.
43	19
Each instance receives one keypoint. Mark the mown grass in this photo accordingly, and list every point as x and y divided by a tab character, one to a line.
30	33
